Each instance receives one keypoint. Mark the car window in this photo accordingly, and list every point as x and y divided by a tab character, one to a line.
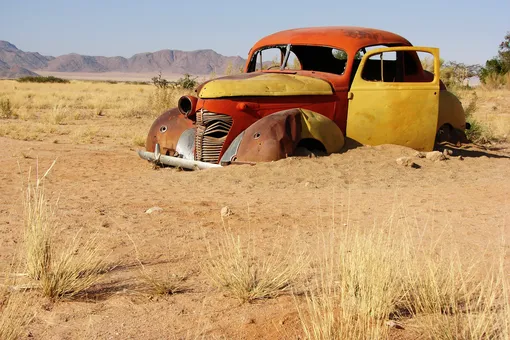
391	66
300	57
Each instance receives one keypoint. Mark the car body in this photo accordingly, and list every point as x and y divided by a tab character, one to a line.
345	83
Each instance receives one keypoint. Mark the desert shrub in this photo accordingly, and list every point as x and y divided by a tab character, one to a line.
186	82
61	273
38	228
369	279
15	314
249	277
357	287
166	94
40	79
479	132
74	270
6	109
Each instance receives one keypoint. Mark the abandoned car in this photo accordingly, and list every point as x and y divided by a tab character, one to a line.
311	89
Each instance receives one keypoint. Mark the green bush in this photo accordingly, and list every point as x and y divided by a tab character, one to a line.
496	68
40	79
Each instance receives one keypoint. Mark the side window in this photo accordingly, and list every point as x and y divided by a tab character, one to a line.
382	67
401	66
269	58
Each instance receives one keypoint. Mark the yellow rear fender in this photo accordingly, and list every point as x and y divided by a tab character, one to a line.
280	134
451	111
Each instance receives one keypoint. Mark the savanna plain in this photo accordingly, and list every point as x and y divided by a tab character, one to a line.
96	243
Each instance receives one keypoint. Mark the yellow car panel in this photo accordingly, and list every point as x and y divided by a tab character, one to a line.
266	84
319	127
403	113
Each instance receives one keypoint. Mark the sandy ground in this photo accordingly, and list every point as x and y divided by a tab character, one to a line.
106	189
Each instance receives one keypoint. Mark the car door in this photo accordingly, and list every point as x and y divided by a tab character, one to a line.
385	109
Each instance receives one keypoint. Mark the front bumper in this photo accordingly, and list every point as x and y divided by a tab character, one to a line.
157	158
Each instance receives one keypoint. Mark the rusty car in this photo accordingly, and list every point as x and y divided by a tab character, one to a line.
311	89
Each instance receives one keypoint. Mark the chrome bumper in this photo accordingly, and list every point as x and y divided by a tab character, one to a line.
157	157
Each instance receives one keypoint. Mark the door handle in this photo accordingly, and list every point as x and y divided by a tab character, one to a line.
350	95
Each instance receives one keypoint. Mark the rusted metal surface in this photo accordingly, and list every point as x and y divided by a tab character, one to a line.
279	135
253	117
166	131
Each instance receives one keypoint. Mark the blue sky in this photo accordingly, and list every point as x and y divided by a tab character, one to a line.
466	31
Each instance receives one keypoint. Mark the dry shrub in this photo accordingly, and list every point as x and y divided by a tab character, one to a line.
168	284
249	276
15	314
77	269
58	114
450	300
62	273
165	98
39	227
16	310
358	285
139	140
496	81
367	278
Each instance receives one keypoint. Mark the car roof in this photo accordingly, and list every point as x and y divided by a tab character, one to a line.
349	38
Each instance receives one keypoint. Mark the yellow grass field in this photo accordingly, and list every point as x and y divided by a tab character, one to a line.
96	243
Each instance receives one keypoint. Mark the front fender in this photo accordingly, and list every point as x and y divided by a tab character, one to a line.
166	130
277	136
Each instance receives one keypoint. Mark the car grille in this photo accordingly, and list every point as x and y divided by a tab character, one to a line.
212	130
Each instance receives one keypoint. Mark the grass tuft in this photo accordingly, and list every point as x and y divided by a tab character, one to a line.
369	279
357	287
77	269
246	277
38	223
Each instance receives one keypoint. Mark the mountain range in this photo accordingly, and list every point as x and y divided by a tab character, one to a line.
16	63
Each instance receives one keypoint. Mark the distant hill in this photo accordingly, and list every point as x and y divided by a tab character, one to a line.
172	61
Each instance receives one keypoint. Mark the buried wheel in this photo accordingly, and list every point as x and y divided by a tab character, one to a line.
451	135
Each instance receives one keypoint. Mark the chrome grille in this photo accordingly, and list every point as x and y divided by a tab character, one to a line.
212	130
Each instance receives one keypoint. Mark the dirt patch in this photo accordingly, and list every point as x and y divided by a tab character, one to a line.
107	189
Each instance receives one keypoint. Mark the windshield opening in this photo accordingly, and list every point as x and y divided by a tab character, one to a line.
299	57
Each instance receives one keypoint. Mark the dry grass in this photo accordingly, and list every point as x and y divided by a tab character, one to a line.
65	272
82	111
15	314
247	275
370	277
16	310
39	227
357	287
75	270
492	110
167	284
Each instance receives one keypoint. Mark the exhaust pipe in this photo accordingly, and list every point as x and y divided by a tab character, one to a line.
187	105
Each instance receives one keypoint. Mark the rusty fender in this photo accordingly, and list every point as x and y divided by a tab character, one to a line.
278	136
166	131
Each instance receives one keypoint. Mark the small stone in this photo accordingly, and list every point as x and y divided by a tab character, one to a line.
405	161
419	154
153	209
447	152
435	156
225	212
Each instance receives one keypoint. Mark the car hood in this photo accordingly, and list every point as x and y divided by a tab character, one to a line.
264	84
